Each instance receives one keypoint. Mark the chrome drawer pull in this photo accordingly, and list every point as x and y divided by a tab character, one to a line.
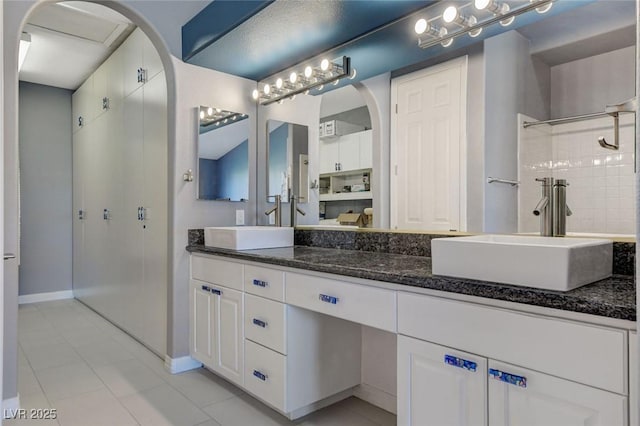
328	299
216	291
260	375
509	378
260	283
259	323
461	363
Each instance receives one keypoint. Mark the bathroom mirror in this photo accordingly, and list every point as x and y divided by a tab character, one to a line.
223	155
287	161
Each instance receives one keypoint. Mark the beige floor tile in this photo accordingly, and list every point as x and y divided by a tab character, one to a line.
335	415
82	336
202	387
371	412
94	408
39	338
127	377
103	352
68	381
244	410
55	355
209	423
36	401
163	406
27	382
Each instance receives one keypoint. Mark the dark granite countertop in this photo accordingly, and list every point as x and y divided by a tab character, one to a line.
613	297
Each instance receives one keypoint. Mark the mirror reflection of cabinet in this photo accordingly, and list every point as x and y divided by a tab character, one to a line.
223	155
287	160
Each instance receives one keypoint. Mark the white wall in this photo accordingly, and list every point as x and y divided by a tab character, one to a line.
45	189
197	86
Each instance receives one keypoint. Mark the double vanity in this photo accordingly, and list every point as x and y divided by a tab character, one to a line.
285	324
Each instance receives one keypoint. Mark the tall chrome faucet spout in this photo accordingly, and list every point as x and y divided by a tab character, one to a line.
541	206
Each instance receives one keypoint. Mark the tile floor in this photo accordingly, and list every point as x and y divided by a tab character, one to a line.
92	373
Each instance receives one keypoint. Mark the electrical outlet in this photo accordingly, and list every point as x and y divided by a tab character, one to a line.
239	217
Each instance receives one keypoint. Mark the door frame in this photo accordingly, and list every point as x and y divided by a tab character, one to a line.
461	62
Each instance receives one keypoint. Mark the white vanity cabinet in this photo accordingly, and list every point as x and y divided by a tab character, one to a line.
550	372
634	418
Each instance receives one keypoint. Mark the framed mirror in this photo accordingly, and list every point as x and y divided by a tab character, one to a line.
223	155
287	161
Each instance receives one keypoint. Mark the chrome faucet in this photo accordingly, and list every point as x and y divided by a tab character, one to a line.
277	209
552	207
293	204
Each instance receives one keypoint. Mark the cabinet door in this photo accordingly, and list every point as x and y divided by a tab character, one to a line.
350	152
633	379
229	326
202	309
151	61
366	150
79	212
114	84
438	386
132	61
519	396
329	155
155	205
81	105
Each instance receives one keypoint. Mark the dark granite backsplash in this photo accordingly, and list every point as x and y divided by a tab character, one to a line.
405	243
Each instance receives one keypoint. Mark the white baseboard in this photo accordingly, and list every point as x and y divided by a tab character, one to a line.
179	365
10	407
377	397
45	297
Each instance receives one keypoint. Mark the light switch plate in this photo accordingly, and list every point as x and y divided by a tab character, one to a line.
239	217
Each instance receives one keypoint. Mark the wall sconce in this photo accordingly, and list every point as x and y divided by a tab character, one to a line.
294	81
498	12
216	117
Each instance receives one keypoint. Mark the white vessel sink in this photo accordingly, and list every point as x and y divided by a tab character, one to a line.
248	237
544	262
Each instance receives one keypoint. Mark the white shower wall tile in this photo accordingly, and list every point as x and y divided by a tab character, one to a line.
601	182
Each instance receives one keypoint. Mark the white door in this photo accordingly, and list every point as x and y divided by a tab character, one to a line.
633	379
229	325
203	309
439	386
528	398
428	136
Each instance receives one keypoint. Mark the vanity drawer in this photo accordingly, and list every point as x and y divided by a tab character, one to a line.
265	322
371	306
216	271
587	354
264	282
265	374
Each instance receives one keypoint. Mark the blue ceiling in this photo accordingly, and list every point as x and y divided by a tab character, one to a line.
377	34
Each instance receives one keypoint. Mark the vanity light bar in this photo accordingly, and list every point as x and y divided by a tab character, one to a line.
214	117
293	82
446	38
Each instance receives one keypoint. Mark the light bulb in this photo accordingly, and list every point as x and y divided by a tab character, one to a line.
209	111
508	21
421	26
255	94
234	118
218	110
279	84
471	22
324	65
542	9
481	4
201	115
225	121
293	77
335	83
266	89
308	72
320	87
444	32
450	14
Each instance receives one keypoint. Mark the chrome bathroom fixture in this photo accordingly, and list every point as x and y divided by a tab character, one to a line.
505	181
277	209
552	207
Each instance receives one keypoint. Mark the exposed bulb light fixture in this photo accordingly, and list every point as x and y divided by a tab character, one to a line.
490	12
451	15
218	117
496	8
255	94
25	43
313	77
544	8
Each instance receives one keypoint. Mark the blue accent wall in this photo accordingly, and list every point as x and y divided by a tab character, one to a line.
208	179
277	158
233	173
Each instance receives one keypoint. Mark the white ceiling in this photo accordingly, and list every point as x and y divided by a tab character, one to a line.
216	143
69	40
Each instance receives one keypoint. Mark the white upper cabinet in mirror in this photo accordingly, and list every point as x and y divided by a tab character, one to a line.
223	155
